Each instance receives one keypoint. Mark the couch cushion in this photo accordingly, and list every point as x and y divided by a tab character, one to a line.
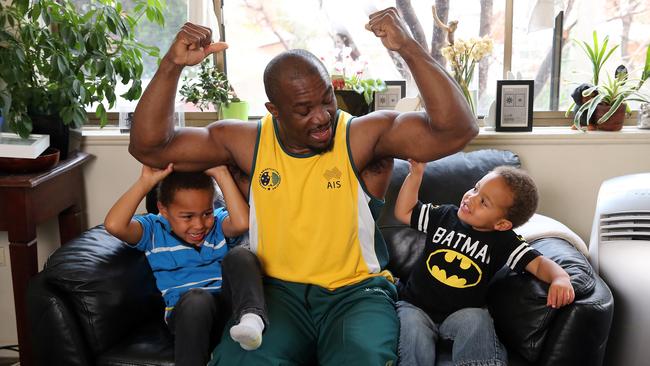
109	285
518	301
149	344
445	181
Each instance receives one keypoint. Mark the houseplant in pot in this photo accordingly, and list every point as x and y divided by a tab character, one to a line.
55	60
354	92
608	102
211	89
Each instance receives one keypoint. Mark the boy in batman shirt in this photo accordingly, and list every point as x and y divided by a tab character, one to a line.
445	294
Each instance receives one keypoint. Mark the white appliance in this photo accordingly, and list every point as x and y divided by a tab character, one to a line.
620	251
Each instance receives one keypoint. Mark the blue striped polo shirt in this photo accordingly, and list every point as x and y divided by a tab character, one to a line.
178	266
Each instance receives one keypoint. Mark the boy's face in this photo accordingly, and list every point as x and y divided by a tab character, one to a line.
190	214
484	207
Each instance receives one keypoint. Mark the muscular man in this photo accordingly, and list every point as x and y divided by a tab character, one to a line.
317	180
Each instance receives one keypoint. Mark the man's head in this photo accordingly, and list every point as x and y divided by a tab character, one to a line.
503	199
301	99
186	200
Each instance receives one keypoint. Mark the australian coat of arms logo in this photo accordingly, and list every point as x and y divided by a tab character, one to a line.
269	179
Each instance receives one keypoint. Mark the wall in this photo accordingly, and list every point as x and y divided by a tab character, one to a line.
568	167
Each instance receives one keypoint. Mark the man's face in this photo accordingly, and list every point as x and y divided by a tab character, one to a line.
305	111
484	207
190	214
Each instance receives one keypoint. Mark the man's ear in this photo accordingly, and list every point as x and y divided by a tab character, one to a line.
503	225
272	109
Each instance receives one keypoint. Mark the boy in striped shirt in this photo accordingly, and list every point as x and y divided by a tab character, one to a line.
186	246
445	294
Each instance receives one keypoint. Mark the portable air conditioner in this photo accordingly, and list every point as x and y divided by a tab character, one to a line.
620	251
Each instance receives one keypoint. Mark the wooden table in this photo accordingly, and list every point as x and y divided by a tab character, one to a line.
27	200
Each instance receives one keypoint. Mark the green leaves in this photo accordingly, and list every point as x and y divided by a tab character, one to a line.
597	55
367	87
57	60
212	88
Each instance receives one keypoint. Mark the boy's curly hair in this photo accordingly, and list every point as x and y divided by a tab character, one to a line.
176	181
524	194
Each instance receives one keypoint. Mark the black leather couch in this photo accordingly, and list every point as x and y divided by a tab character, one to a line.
96	302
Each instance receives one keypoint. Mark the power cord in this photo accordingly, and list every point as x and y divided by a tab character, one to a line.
10	347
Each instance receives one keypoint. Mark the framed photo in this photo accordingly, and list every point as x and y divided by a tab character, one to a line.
514	105
14	146
387	99
127	112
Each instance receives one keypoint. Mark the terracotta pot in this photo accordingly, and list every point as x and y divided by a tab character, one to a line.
615	121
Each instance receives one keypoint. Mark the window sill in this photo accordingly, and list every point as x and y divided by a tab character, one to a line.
539	136
562	135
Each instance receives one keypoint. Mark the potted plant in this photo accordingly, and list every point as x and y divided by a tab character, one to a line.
607	103
354	92
55	60
213	89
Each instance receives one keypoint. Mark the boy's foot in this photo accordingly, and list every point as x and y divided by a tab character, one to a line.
248	333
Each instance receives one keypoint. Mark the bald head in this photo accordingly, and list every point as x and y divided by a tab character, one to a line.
291	65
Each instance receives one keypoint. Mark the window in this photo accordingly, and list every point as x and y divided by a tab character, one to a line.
257	31
626	22
177	12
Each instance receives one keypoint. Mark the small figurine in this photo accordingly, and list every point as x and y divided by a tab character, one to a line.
450	28
579	100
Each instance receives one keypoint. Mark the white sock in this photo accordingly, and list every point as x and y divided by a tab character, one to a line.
248	333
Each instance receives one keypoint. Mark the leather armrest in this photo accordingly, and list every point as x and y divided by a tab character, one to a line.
526	325
55	334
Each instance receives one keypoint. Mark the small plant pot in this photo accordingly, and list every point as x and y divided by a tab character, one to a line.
352	102
614	122
234	110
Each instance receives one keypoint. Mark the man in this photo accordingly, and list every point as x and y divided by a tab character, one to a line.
316	175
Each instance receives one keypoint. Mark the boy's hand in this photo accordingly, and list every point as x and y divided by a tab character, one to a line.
416	168
560	293
151	176
217	171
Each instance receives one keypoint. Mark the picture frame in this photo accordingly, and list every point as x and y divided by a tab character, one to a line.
14	146
387	99
514	107
126	113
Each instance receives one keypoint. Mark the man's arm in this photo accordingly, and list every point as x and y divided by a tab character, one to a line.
237	221
119	220
155	142
561	291
408	194
445	127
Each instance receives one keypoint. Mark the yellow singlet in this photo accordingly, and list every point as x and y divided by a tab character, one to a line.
310	215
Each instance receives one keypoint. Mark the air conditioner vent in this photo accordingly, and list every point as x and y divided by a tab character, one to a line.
625	225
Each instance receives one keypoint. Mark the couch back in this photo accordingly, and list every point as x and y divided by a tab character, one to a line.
445	181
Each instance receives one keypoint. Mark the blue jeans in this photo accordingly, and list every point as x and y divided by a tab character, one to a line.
471	330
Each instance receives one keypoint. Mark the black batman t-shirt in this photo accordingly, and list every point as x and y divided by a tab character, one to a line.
458	262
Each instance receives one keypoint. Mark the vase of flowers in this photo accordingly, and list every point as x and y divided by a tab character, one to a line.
463	55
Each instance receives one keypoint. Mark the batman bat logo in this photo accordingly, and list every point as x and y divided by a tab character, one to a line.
453	269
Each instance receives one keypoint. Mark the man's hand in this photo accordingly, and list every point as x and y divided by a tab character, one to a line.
193	43
151	176
389	27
